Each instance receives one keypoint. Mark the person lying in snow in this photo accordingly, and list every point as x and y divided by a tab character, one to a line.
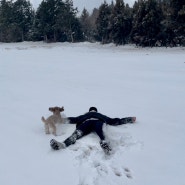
87	123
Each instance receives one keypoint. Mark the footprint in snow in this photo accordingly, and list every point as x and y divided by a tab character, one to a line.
121	172
128	173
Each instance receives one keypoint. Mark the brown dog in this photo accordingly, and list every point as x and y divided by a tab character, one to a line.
51	121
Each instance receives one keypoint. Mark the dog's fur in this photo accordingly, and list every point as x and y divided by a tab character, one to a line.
51	121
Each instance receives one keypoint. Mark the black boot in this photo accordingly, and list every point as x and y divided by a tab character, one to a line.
57	145
105	146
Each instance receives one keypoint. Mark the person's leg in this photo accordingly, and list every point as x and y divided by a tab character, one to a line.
118	121
128	120
77	134
98	128
83	129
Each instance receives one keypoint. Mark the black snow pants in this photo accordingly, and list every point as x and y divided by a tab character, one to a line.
84	129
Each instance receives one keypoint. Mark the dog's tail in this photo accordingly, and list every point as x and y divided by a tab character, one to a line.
43	119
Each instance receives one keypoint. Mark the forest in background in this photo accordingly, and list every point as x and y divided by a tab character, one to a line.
147	23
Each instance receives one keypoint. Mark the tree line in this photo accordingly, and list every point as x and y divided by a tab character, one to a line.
147	23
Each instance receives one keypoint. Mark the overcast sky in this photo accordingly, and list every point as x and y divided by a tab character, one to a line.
88	4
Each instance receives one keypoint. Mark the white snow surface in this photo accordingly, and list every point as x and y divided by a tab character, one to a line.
148	83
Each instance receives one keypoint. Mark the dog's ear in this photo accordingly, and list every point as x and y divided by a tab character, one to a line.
51	109
61	109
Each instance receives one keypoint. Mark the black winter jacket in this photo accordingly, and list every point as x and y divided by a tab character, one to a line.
93	115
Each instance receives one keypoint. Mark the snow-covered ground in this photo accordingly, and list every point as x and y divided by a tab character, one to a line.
148	83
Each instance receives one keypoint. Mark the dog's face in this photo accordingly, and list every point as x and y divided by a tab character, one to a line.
56	109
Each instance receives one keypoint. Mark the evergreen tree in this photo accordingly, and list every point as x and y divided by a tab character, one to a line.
45	20
121	22
147	23
88	23
85	22
173	25
92	20
56	21
103	23
178	21
176	6
16	20
23	16
71	22
167	32
6	21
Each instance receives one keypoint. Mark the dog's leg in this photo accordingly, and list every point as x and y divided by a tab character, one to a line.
52	125
47	128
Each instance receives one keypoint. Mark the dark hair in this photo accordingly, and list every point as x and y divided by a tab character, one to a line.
93	109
